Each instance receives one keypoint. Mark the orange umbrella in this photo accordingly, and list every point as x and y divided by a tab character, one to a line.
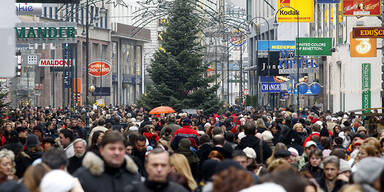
162	109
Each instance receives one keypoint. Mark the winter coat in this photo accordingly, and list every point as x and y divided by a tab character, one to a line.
173	126
203	152
323	184
260	149
74	164
293	139
185	132
148	186
96	176
316	172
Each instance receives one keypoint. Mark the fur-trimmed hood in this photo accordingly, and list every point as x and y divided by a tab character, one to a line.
95	164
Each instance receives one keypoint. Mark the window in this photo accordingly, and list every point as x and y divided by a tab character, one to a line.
50	12
106	20
82	16
91	14
77	13
56	13
45	12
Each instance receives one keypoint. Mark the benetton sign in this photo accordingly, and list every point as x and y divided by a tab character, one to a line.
315	46
60	32
366	85
368	32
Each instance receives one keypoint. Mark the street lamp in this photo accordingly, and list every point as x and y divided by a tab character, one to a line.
268	59
297	52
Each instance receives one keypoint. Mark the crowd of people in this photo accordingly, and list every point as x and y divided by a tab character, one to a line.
125	149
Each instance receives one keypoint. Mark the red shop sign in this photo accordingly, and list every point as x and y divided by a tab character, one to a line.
99	68
361	7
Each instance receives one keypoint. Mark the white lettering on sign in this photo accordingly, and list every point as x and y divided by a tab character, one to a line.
55	63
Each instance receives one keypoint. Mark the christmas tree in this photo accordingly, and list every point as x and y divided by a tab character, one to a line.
177	69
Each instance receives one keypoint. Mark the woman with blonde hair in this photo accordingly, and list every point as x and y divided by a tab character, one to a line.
33	176
7	165
365	150
179	164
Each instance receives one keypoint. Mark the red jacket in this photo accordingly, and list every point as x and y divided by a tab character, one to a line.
185	132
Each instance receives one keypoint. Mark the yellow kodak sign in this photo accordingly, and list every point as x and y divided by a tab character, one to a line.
303	8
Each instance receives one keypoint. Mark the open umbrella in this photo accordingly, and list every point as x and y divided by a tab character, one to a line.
162	109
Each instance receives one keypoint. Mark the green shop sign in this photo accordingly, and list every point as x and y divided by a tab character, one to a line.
315	46
366	85
61	32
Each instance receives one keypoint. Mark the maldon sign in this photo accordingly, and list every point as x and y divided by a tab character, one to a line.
99	68
368	32
55	63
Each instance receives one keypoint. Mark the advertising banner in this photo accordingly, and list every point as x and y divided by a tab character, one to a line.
55	63
276	45
315	46
99	68
29	9
45	32
102	91
295	11
270	88
363	47
361	8
368	32
366	85
288	60
273	69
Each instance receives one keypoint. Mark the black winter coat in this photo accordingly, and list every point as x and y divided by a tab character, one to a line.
323	184
95	176
148	186
253	142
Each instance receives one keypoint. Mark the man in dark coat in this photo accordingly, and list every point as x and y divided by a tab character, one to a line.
263	151
111	171
75	162
157	166
330	182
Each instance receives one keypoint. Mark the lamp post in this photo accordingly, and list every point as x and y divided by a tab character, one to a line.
102	12
268	59
297	52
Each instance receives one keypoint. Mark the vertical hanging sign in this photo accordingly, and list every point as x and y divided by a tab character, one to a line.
366	85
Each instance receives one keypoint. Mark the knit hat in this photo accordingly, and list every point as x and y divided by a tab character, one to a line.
361	128
32	141
250	153
267	135
265	187
58	181
344	166
310	143
293	151
133	128
241	135
368	170
207	125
